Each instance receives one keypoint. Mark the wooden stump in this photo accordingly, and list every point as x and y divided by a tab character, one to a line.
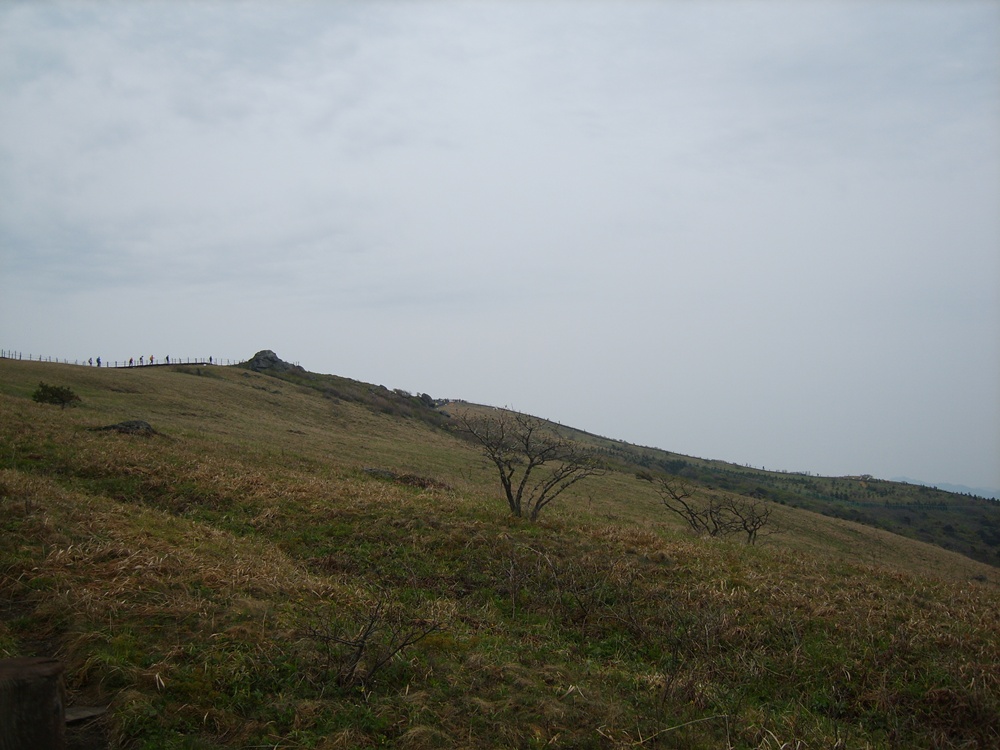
32	700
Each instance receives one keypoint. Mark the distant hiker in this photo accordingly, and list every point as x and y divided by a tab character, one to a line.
130	361
209	360
168	359
91	360
141	360
98	361
150	359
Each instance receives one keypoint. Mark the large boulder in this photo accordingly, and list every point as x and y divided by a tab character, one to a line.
266	360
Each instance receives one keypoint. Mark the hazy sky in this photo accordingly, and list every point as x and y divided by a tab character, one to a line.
765	232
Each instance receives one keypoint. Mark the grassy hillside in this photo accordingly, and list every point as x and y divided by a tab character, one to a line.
966	524
242	579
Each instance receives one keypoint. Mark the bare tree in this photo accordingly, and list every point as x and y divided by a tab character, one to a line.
519	446
677	497
714	515
749	515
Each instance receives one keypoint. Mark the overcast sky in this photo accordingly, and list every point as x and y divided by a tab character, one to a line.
764	232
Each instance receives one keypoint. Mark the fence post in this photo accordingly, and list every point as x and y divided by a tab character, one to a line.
32	704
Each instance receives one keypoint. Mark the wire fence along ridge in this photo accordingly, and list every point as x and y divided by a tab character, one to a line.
141	361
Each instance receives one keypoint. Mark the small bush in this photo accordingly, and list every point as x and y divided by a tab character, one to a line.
55	394
357	644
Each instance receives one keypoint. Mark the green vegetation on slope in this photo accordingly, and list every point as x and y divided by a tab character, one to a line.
238	579
965	524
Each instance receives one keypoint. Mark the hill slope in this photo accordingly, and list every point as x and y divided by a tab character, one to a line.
966	524
238	579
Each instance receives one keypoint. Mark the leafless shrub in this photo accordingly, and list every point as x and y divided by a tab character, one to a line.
356	647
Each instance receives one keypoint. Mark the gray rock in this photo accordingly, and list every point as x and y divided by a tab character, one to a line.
130	427
265	360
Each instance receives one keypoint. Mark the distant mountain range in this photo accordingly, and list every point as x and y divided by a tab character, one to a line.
959	488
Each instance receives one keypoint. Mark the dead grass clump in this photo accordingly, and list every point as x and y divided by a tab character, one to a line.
346	739
23	494
631	539
423	737
408	480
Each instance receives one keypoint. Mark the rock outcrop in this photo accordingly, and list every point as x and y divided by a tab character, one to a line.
268	361
130	427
